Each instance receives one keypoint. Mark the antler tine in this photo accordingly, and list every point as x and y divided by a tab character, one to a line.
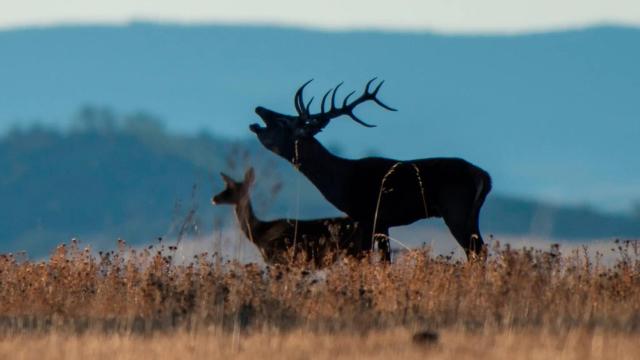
307	108
366	95
323	100
346	99
333	97
349	111
375	91
318	121
366	88
373	95
383	105
377	101
299	101
355	118
296	103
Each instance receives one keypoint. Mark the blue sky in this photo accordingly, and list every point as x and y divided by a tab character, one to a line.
450	16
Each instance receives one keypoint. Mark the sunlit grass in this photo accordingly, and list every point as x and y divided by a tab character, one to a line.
133	296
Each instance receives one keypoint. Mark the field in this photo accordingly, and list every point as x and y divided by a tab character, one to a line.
133	303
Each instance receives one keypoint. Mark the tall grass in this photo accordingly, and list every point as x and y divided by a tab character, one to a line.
141	291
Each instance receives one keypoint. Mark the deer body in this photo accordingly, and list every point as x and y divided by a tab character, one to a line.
281	240
354	185
379	192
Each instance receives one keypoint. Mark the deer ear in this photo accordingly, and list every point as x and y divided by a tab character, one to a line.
227	179
249	176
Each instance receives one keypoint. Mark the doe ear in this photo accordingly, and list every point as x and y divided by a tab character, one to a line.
227	179
249	176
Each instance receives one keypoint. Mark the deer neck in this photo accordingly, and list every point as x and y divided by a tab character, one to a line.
247	218
328	172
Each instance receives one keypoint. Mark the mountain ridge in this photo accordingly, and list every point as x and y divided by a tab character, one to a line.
132	180
550	116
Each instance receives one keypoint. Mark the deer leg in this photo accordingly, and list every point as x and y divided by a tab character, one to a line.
463	234
362	244
476	242
384	246
464	227
371	237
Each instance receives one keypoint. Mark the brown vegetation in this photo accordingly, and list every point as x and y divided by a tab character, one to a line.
119	294
387	344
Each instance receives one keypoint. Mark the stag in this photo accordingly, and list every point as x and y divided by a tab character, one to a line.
377	192
282	240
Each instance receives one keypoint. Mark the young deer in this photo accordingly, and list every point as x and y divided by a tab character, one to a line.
378	192
282	240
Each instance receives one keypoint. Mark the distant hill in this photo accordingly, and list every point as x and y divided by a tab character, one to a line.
125	177
552	116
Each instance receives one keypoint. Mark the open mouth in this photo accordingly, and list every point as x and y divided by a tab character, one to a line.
262	112
256	128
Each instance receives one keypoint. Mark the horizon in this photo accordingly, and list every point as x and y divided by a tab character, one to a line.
490	17
317	28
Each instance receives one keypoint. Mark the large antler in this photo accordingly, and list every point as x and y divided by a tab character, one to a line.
318	121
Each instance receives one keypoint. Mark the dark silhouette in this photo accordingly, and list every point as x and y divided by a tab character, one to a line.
136	181
281	240
378	192
425	337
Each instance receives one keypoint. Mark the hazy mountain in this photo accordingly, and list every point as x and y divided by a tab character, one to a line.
552	116
125	177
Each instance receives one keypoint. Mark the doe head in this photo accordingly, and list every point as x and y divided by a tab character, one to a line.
234	191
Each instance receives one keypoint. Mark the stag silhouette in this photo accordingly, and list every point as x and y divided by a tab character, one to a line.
283	240
378	192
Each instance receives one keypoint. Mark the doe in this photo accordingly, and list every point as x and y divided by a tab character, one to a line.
281	241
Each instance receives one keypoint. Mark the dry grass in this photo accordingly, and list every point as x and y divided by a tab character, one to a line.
525	303
388	344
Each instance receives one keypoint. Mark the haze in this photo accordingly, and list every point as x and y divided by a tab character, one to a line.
451	16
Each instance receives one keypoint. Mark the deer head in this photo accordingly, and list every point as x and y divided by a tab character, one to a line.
234	191
281	131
